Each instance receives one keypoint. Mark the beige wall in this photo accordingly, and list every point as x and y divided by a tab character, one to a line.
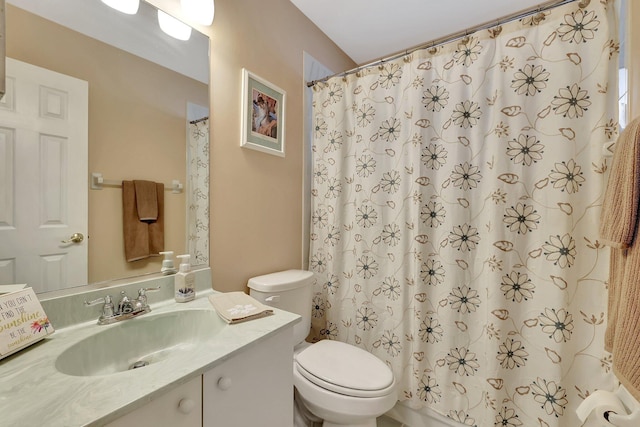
145	105
256	198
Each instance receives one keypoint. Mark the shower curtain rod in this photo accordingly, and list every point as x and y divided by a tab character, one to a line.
193	122
455	36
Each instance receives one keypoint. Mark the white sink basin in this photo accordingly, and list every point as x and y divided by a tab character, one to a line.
138	342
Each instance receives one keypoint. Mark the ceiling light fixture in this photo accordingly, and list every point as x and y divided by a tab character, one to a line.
130	7
201	11
173	27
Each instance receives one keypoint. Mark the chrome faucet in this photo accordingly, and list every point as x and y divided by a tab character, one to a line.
126	308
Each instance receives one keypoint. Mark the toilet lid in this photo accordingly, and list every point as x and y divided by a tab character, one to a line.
345	369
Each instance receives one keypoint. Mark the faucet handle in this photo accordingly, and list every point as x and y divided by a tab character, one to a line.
107	308
142	297
102	300
143	291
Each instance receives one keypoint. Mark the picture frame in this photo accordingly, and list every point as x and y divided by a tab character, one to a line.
263	115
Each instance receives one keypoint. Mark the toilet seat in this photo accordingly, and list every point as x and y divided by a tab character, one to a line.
344	369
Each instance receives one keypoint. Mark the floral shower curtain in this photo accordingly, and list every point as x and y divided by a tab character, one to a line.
198	191
455	212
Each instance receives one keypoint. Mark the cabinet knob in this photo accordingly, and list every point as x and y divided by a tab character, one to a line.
224	383
186	406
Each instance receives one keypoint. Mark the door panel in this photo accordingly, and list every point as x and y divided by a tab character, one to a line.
43	178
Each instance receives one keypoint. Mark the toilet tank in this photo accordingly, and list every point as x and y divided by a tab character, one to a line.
287	290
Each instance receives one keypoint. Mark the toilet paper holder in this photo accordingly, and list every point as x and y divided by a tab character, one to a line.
617	409
633	407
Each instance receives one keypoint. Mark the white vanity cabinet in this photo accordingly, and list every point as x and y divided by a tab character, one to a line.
252	388
182	406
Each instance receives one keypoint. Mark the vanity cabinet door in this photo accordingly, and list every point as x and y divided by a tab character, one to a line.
252	388
182	406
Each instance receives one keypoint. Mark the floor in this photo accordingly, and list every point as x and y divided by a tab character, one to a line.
388	422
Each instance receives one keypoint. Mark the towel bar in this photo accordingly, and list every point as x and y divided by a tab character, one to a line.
97	183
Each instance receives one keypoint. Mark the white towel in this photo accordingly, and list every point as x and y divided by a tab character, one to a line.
236	307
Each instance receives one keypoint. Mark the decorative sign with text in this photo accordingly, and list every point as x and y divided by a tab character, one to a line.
22	321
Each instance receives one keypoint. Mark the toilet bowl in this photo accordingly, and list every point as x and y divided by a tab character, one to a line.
336	382
343	385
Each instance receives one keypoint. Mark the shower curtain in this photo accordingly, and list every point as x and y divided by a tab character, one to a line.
198	191
455	209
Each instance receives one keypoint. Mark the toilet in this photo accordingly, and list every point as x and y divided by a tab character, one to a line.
335	382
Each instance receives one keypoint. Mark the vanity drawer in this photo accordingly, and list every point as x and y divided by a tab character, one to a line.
181	406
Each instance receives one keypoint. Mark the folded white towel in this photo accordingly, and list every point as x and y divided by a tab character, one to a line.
236	307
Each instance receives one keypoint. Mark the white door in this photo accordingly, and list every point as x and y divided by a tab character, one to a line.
43	178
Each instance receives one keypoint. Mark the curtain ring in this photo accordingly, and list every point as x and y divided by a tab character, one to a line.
538	18
465	39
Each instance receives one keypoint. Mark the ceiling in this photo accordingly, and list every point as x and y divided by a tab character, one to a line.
367	30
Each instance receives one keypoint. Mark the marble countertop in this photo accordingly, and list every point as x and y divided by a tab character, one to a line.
34	393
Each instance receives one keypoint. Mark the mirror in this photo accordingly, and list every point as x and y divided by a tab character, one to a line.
146	118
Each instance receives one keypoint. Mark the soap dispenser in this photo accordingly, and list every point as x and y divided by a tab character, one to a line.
167	264
185	280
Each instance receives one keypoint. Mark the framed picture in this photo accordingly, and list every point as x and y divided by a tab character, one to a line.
262	115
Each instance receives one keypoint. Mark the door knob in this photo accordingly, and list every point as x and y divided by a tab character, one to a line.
75	238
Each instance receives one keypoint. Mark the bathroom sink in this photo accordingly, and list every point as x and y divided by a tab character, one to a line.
138	342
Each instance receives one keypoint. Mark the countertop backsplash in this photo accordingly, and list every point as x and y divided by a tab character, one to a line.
69	309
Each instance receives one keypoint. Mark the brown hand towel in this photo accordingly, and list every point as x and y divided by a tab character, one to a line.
142	239
619	215
136	232
146	200
156	228
618	229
